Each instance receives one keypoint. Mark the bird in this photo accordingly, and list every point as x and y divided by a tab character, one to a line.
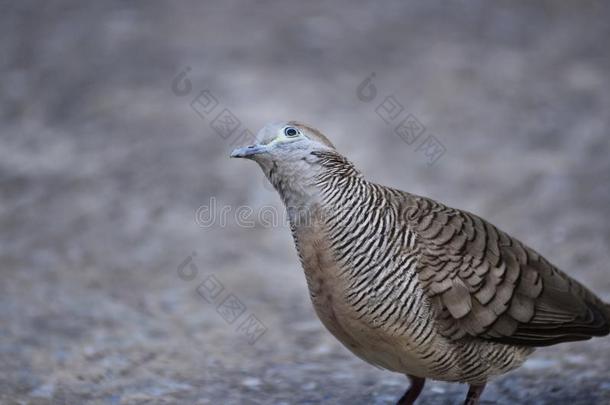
409	284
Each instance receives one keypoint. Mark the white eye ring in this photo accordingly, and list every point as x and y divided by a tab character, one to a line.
291	132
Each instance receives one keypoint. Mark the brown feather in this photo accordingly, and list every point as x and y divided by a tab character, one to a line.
494	287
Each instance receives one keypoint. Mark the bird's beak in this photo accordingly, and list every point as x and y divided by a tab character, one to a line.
249	151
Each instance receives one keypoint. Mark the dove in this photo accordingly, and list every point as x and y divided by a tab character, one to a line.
409	284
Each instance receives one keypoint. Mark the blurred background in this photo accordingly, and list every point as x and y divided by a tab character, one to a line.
122	283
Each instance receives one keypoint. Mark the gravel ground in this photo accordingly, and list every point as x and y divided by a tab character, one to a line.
117	289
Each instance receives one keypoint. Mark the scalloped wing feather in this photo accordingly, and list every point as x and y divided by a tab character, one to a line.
486	284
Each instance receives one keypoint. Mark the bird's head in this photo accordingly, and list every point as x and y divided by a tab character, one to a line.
295	157
284	143
291	155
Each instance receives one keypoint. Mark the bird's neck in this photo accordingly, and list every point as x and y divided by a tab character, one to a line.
307	190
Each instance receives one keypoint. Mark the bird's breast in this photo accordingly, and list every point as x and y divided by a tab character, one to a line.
329	290
325	287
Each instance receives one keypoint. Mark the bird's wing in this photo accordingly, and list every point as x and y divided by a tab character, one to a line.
487	284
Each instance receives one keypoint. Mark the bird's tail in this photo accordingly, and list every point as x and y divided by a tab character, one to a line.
606	311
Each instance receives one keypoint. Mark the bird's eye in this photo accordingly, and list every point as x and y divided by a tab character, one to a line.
290	131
